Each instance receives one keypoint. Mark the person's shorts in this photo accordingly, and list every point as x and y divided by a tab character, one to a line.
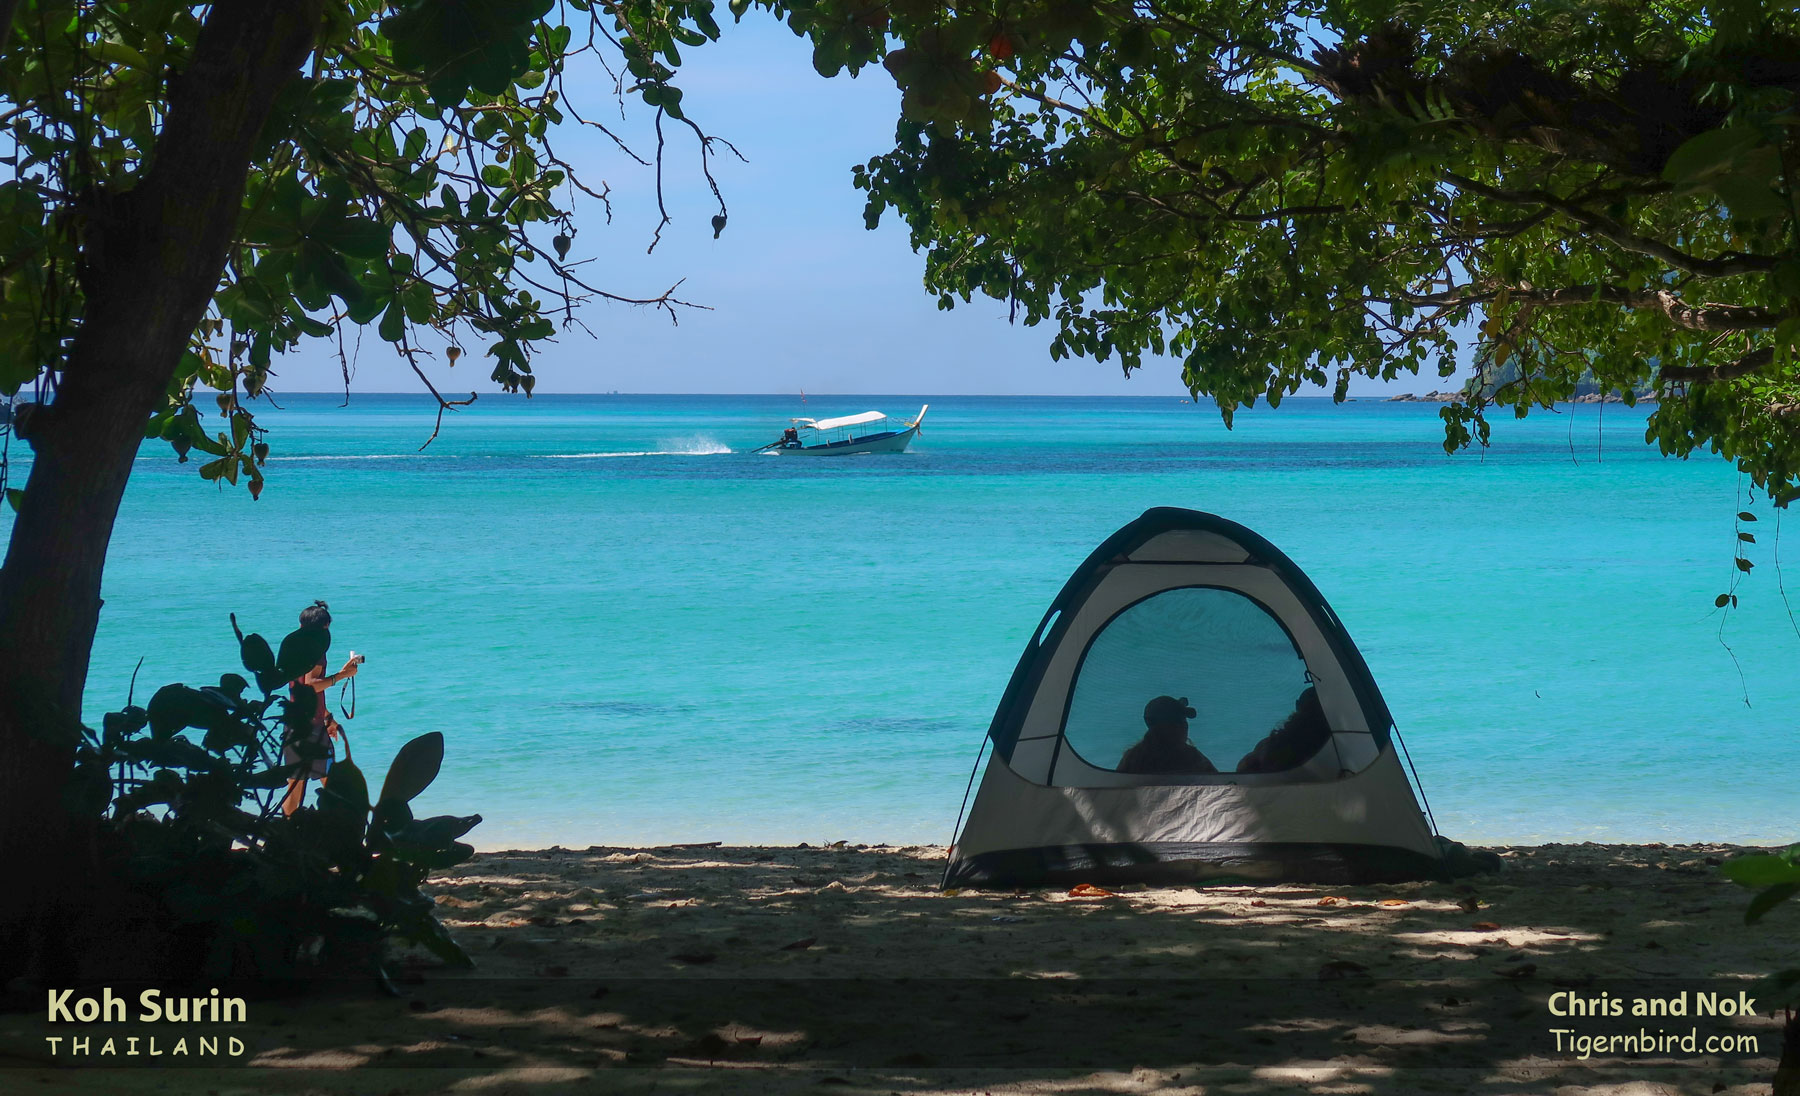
321	766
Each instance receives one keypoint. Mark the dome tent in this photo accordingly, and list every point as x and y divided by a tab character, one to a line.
1186	611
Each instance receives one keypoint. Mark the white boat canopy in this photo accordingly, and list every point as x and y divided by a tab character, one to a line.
847	420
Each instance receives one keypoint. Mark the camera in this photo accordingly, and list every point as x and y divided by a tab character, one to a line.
358	659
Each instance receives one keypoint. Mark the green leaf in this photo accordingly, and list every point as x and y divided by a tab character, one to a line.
320	272
1749	196
431	934
120	725
414	768
418	302
268	779
431	857
168	753
1761	870
1782	988
347	792
177	706
357	237
1710	153
301	650
437	832
1767	900
260	661
393	323
391	816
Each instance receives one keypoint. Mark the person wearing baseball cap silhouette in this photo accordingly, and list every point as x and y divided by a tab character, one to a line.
1165	747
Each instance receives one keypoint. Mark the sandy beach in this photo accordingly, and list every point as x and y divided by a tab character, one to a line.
846	969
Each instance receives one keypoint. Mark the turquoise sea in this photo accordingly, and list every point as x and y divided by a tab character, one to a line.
634	631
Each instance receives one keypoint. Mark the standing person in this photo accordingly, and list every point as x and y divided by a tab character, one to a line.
315	630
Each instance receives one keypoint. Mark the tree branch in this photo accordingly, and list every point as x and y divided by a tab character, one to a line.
1700	317
1725	266
1752	362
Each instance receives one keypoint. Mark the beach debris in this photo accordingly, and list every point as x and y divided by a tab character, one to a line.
1258	902
1523	970
1340	968
952	892
1332	900
749	1040
694	957
1395	903
1469	904
1006	919
1088	890
1485	926
801	944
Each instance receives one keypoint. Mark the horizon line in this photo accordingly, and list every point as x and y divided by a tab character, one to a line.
1261	401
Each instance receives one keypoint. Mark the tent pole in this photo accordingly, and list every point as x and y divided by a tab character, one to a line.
957	830
1423	798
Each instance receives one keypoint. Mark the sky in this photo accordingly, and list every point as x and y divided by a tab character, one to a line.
798	294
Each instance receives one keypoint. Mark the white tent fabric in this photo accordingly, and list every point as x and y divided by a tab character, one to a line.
1190	605
1374	807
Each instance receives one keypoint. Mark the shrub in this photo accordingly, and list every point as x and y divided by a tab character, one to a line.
187	792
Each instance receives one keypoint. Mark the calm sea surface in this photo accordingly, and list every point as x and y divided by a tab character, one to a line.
632	630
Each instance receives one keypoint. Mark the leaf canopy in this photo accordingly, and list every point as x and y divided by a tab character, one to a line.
1280	194
406	180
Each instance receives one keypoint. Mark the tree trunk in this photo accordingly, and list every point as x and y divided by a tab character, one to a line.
1787	1070
151	259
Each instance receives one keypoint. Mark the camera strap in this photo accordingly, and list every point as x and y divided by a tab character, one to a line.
349	687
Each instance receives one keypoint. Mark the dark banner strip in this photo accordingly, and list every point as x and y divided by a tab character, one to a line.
1039	1023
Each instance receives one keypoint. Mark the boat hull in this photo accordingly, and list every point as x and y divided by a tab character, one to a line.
895	442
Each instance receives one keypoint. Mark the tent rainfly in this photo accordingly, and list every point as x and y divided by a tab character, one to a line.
1191	709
